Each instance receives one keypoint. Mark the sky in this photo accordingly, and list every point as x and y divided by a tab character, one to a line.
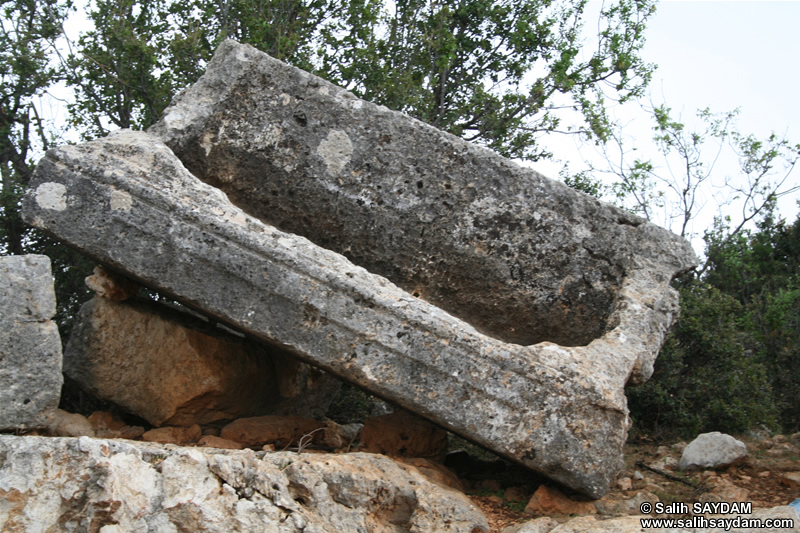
723	55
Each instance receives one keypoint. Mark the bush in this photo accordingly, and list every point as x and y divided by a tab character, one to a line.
705	379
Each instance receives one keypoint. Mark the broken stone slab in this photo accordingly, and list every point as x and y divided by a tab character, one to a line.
127	201
521	258
84	484
30	346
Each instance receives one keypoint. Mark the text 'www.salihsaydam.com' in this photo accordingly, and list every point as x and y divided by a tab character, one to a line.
700	521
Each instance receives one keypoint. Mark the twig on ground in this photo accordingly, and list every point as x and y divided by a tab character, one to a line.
666	475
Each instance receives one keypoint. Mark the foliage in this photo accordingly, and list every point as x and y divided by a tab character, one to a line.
351	405
704	379
498	73
675	192
29	31
118	74
142	52
761	270
732	361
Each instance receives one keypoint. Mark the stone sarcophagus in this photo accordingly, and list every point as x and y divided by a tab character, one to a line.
499	304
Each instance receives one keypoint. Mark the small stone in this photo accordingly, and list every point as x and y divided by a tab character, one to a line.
495	499
790	479
624	483
713	450
341	436
66	424
111	286
637	475
106	424
404	434
130	432
543	524
282	431
550	501
211	441
679	447
617	504
665	463
173	435
435	472
725	491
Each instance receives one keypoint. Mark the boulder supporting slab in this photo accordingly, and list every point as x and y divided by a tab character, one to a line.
172	368
30	346
129	202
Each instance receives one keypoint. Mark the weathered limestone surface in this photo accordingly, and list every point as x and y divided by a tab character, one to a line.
85	484
519	257
127	201
165	366
713	450
171	368
30	346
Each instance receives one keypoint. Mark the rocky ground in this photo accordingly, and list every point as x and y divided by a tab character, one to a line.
766	480
508	494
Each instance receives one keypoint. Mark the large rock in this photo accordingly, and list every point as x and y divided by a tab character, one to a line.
172	368
85	484
30	346
558	409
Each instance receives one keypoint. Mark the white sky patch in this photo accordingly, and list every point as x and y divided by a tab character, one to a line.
719	54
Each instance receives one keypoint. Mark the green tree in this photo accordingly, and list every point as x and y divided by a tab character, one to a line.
118	70
499	73
676	191
28	33
761	270
142	52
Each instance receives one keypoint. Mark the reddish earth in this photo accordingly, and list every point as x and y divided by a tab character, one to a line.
761	476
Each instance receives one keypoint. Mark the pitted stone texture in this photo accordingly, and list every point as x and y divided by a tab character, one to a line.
713	450
171	368
556	409
521	258
30	346
88	484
